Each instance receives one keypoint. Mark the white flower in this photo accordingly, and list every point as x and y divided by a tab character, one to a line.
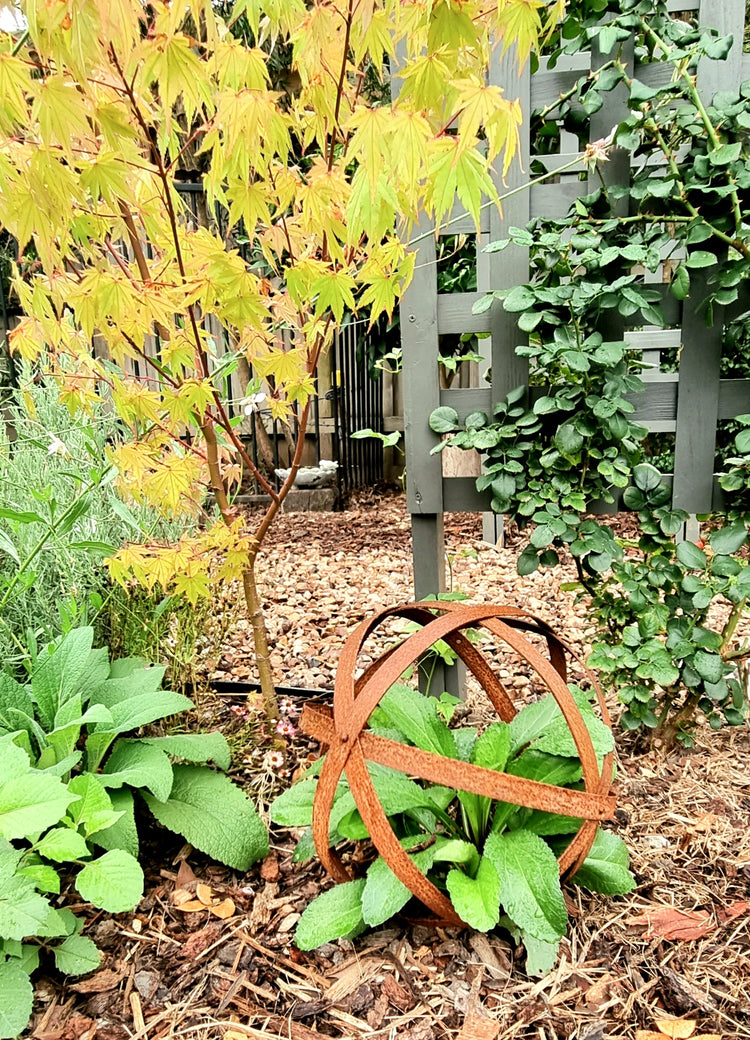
252	403
273	760
56	447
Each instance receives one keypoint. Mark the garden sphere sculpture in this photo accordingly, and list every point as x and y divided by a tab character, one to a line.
351	746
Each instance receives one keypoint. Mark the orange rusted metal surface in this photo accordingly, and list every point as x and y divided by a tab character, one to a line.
351	746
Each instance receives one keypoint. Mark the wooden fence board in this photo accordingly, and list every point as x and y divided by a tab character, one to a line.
734	397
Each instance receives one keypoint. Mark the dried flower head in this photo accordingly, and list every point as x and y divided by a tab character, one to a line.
596	151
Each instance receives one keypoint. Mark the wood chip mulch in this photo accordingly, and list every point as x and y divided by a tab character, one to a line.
210	954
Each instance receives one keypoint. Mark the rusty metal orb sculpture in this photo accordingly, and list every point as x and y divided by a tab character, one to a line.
351	746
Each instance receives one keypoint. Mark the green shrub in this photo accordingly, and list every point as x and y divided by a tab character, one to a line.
70	771
60	517
140	622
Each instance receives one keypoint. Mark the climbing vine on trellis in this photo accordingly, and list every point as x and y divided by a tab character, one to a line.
568	440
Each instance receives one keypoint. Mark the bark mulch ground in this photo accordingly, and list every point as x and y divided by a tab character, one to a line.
209	953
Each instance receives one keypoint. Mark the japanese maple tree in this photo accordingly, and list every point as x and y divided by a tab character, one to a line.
100	100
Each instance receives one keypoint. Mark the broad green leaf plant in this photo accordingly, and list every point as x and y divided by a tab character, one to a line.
496	861
71	767
103	105
566	443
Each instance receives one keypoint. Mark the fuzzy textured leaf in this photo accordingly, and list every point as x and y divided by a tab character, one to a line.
605	869
23	911
122	834
195	747
416	716
113	882
30	801
213	814
62	844
77	955
138	764
16	999
476	900
529	883
384	895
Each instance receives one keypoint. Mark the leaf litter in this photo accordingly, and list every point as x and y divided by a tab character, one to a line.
171	973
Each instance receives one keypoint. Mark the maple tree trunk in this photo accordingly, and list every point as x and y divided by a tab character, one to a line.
249	584
252	598
260	641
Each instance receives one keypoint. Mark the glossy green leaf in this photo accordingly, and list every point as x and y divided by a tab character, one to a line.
444	420
332	915
606	868
476	900
727	540
690	555
680	284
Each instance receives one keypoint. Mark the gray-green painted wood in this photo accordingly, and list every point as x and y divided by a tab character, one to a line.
419	338
728	17
697	402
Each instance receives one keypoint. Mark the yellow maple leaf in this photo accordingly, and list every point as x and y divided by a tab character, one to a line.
192	586
284	366
502	131
478	103
27	339
409	135
334	292
370	141
15	82
170	63
61	111
134	401
238	67
426	80
519	22
199	394
373	34
249	202
457	171
169	486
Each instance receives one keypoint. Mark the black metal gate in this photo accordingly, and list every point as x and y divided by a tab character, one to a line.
357	404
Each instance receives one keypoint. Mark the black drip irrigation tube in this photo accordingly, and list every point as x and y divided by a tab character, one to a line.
239	689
